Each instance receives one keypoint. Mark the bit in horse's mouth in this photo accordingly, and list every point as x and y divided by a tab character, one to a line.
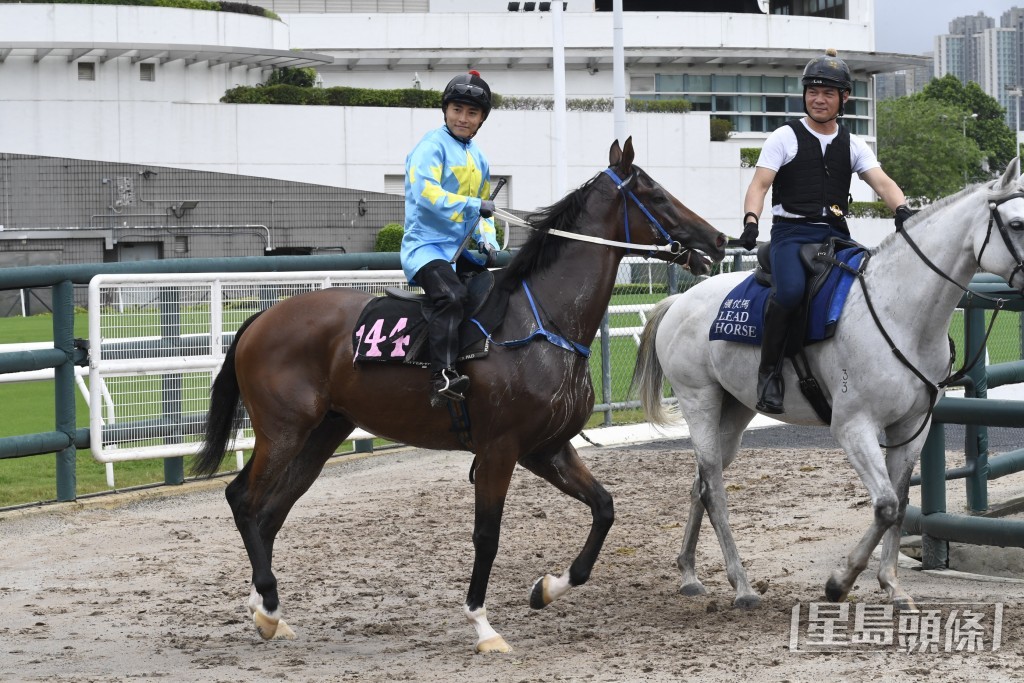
694	261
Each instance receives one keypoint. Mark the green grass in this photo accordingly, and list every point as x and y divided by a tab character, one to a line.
32	479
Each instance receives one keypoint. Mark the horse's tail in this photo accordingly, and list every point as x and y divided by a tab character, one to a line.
648	375
224	416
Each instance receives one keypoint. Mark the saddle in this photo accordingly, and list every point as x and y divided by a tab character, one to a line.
392	329
830	268
818	261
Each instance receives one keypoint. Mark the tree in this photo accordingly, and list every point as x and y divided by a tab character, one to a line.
989	130
303	77
922	147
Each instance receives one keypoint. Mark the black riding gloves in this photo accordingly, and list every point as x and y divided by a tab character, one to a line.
488	249
749	238
903	212
486	208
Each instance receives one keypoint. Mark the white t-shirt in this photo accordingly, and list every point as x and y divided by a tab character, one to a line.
780	149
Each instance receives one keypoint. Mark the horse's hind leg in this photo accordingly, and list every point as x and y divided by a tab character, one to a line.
567	472
716	443
262	496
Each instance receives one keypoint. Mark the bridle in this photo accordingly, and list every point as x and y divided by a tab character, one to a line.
952	379
1016	226
624	186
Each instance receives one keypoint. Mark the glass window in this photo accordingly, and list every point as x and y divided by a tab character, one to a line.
698	83
748	103
667	83
795	104
757	124
860	88
725	83
700	102
748	84
774	83
773	122
775	104
725	103
793	84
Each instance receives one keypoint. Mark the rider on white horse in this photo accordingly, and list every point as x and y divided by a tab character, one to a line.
808	164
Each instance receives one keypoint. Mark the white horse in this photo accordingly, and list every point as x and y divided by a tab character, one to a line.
873	394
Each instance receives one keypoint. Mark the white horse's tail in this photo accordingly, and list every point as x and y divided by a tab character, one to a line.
648	376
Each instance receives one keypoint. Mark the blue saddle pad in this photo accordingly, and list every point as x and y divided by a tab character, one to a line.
741	315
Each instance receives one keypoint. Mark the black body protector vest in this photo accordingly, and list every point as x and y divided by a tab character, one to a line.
812	181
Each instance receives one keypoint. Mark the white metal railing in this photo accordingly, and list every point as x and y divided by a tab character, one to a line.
143	388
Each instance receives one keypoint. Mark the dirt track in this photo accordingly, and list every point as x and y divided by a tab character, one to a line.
374	563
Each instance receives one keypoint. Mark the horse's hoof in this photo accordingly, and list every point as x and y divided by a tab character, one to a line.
747	601
539	598
284	631
833	591
266	626
693	589
905	604
493	644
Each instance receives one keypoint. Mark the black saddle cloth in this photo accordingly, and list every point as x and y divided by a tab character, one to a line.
392	329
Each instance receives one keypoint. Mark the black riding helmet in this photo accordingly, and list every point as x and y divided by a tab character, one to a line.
468	88
829	71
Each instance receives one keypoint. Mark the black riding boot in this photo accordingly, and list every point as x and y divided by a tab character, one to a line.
770	387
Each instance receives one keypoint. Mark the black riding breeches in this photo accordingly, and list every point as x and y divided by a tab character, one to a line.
443	311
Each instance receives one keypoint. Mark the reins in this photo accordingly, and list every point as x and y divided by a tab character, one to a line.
672	247
953	378
623	186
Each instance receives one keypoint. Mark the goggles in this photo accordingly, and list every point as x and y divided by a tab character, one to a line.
468	89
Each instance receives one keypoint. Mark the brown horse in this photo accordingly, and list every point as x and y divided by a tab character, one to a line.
292	367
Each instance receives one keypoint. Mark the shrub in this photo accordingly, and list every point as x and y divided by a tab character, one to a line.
870	210
748	156
390	238
720	129
301	77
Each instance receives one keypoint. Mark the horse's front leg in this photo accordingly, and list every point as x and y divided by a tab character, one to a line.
492	477
567	472
900	463
865	456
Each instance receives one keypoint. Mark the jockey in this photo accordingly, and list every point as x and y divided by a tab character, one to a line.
447	181
808	164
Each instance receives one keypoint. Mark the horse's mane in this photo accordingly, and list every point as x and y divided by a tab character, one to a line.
539	252
925	213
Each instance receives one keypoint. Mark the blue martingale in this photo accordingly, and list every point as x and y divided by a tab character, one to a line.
741	315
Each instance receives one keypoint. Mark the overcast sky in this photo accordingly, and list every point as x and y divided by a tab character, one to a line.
908	26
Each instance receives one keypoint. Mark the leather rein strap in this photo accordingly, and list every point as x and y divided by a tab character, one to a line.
954	378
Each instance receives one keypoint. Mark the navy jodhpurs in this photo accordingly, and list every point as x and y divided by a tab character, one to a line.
788	273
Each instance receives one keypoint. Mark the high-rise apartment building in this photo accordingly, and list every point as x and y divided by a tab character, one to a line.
975	49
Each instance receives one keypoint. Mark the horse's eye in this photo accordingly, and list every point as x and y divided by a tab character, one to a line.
1017	225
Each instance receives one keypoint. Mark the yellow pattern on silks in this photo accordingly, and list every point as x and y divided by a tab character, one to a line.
469	177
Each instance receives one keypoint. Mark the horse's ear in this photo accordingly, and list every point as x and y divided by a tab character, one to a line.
626	164
614	154
1011	176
